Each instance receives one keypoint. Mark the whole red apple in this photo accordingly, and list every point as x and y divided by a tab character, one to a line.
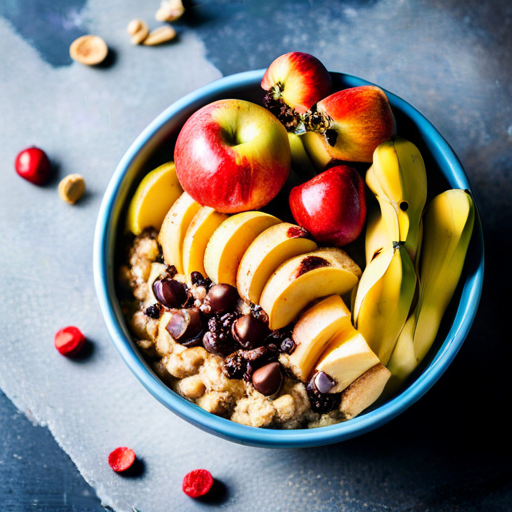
300	79
351	123
331	206
233	156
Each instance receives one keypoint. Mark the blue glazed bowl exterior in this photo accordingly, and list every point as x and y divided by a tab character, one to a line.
129	172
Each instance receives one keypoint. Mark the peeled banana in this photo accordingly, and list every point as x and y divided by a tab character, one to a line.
384	297
398	179
448	225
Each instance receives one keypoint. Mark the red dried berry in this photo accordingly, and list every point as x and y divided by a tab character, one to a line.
33	165
197	483
69	340
121	459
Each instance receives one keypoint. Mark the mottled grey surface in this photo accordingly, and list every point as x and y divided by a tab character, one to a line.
451	60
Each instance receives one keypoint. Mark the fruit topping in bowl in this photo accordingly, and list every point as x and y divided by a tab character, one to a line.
271	323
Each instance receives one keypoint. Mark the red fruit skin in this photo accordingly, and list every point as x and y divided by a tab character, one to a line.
304	80
362	118
197	483
69	340
33	165
121	459
219	169
331	206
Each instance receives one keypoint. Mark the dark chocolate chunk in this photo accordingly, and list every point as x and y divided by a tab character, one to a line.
169	292
323	382
186	326
222	298
249	331
268	379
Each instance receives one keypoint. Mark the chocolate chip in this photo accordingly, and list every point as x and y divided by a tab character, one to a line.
249	331
268	379
186	326
323	382
222	298
321	402
170	293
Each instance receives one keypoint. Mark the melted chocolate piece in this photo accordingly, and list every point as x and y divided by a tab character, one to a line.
222	298
268	379
185	326
249	331
169	292
323	382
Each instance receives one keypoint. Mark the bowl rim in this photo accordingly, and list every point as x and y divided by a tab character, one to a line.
104	283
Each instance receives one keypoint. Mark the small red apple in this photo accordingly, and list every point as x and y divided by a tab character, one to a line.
351	123
331	206
233	156
299	78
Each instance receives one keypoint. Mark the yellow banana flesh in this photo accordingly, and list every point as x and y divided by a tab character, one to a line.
383	298
398	179
377	235
448	225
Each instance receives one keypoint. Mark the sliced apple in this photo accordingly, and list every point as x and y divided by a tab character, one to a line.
174	229
201	229
313	332
270	249
155	194
229	243
315	149
346	358
364	391
301	162
302	279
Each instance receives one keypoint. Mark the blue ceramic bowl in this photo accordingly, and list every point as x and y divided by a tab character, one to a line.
155	146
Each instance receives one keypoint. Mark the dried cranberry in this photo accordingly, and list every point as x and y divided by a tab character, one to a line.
69	341
222	298
197	483
33	165
121	459
322	402
169	292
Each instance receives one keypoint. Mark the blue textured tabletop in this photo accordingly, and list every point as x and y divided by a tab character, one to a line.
451	60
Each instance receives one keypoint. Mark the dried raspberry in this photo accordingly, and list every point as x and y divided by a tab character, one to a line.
197	483
69	341
121	459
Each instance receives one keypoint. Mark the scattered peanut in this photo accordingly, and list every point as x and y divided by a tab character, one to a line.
71	188
160	35
89	50
139	30
170	10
